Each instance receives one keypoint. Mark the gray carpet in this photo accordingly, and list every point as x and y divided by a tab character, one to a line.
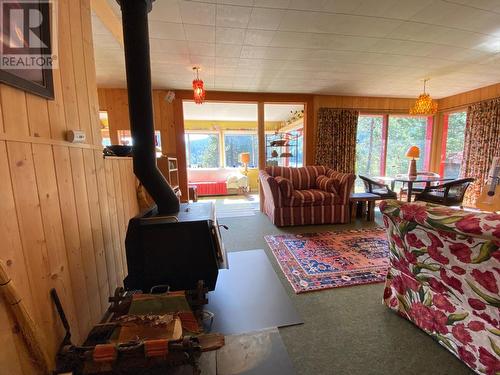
346	330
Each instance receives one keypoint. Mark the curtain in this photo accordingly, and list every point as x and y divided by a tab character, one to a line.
482	143
336	139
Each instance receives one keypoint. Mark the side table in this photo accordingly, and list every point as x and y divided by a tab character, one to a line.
363	204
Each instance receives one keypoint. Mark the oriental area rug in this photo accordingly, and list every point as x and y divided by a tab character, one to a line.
316	261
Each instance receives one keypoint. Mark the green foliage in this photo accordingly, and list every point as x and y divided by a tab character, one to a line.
403	133
235	144
203	150
455	143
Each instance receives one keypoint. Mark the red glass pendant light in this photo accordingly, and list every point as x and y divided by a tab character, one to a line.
198	89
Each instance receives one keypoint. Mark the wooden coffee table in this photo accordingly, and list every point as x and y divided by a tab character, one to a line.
363	204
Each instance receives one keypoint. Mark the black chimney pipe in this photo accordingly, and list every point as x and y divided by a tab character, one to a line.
138	67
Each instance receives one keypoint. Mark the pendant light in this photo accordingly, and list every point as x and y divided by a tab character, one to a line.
198	89
424	104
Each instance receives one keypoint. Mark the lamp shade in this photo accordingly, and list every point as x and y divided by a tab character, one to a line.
413	152
198	91
245	157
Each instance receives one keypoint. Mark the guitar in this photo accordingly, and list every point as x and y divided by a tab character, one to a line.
489	200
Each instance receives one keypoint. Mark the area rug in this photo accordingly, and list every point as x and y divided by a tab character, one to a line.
315	261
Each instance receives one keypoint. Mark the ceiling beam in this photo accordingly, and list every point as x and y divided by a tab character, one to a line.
110	20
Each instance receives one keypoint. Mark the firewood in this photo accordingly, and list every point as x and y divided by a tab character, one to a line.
32	337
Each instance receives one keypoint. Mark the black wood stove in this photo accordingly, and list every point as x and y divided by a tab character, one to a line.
169	244
174	250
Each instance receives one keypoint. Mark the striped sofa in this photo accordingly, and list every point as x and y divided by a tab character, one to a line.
306	195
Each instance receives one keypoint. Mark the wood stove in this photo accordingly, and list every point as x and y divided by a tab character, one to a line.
169	244
177	251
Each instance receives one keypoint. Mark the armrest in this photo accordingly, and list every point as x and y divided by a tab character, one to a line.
272	194
346	182
445	188
370	184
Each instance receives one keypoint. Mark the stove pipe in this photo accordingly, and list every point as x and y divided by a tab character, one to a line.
138	67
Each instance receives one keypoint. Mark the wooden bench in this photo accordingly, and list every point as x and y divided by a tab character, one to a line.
363	204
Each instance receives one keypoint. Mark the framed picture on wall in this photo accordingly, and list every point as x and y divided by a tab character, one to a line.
26	48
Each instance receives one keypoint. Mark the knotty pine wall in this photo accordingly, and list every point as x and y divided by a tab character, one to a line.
63	208
115	103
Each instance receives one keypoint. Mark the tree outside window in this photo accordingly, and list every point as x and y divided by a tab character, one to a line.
202	150
453	144
405	132
235	144
382	142
368	147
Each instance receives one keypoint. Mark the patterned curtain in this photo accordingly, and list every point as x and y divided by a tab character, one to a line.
336	139
482	143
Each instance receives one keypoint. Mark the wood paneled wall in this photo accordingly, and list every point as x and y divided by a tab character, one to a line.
453	103
63	208
169	120
362	104
462	100
115	103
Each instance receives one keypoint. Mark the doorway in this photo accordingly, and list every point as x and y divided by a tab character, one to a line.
222	155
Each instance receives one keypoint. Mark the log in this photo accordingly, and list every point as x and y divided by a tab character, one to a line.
32	337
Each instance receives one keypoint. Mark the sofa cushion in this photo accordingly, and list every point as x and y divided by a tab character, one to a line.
302	178
285	186
312	197
327	184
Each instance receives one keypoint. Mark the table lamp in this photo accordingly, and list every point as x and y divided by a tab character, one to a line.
413	153
245	159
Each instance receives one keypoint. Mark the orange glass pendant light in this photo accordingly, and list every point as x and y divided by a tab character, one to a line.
424	104
198	89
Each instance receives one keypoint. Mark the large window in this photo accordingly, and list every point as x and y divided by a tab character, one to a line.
403	132
202	150
235	144
452	147
382	142
369	145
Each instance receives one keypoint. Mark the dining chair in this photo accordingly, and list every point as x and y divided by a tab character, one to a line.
418	187
447	194
378	188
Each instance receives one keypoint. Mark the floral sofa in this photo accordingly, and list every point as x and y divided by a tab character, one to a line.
306	195
444	276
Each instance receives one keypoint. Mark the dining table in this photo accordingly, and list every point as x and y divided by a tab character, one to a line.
410	181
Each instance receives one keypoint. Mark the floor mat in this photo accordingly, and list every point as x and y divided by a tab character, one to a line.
235	206
249	296
315	261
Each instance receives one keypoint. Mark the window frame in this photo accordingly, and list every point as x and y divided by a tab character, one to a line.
444	136
385	137
236	132
201	131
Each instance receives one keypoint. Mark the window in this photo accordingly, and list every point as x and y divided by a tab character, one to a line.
103	118
369	145
382	142
403	132
125	138
452	147
235	144
285	149
202	150
296	159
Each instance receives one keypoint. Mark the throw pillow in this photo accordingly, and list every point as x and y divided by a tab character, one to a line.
285	186
330	185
